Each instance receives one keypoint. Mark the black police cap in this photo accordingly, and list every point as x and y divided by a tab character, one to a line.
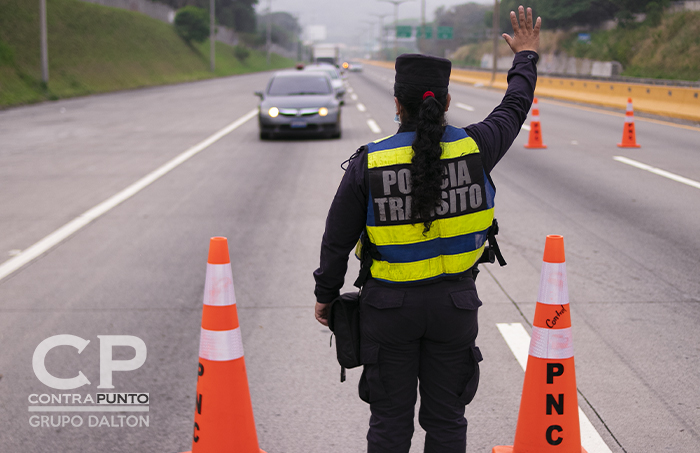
423	70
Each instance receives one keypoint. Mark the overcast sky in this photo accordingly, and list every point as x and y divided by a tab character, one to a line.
347	19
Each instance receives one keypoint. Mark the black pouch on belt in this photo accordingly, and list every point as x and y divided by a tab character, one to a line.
344	322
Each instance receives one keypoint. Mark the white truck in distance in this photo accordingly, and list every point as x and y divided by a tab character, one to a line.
326	53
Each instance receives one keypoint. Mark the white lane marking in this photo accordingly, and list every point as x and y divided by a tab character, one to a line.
518	341
353	96
361	107
349	90
374	126
525	127
658	171
465	107
53	239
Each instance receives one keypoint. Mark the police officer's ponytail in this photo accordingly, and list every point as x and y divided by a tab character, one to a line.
425	111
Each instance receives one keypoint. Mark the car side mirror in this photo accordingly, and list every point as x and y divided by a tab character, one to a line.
260	94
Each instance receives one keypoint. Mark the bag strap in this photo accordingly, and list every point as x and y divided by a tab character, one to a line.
492	252
365	260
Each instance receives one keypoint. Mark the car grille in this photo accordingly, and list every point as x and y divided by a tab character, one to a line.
299	112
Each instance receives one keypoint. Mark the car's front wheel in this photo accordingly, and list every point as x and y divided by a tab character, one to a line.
337	131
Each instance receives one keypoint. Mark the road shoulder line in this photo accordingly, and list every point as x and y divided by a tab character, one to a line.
43	245
518	341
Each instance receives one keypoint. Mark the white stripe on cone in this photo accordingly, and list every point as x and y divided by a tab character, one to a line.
218	285
221	345
553	287
551	343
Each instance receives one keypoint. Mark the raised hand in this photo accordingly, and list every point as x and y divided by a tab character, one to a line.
525	37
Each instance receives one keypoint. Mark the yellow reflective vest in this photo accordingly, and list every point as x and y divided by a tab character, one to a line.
401	253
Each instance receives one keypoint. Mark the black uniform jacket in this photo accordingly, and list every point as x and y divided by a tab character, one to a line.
348	212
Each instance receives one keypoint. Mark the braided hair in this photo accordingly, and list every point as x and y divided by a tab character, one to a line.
425	114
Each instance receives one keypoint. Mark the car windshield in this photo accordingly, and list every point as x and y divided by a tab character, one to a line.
291	86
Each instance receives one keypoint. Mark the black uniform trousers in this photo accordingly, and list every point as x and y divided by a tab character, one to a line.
421	334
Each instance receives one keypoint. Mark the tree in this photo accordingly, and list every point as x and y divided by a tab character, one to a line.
467	22
565	14
192	24
285	29
236	14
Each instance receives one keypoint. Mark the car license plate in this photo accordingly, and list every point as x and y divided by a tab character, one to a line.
298	124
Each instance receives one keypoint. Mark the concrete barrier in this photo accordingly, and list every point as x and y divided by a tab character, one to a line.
670	101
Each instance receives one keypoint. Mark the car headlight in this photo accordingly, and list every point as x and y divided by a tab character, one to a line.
273	112
323	111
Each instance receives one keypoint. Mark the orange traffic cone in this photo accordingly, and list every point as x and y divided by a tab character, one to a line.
535	139
629	137
548	418
223	417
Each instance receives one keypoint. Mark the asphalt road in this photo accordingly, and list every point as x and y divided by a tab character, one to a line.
631	243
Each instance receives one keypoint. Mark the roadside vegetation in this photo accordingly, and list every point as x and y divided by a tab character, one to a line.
669	50
648	41
95	49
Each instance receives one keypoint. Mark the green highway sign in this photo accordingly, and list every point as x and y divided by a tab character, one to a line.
444	33
404	31
428	32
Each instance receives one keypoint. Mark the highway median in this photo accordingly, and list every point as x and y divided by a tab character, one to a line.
673	101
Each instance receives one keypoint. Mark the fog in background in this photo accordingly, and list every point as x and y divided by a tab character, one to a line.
348	20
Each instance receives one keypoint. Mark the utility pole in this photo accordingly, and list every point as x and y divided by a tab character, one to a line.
422	25
212	35
268	44
495	40
381	34
369	37
44	42
396	4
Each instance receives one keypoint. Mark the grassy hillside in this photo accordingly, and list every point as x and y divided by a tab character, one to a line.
96	49
669	50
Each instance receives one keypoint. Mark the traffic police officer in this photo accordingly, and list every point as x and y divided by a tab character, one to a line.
423	202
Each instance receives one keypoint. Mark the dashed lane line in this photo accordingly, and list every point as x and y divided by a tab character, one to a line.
518	341
53	239
361	107
466	107
658	171
374	126
353	96
525	127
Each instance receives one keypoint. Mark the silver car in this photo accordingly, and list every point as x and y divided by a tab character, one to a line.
299	102
333	73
